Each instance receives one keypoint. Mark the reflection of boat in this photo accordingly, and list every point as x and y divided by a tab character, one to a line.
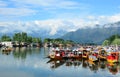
74	62
7	49
6	52
49	61
113	68
93	66
56	63
102	64
84	63
113	57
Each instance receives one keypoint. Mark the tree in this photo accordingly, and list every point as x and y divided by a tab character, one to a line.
116	41
69	42
24	37
17	37
29	39
37	40
59	40
47	40
113	40
106	42
5	38
110	39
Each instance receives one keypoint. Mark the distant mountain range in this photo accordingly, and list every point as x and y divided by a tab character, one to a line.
93	35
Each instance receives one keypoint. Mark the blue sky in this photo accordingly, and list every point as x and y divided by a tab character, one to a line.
70	14
29	10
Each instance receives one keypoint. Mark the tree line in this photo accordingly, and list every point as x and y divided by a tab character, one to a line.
21	37
24	37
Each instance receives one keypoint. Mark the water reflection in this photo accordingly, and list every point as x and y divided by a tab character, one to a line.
21	53
33	62
86	64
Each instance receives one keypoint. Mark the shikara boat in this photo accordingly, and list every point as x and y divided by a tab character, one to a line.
93	56
85	54
55	55
113	57
102	55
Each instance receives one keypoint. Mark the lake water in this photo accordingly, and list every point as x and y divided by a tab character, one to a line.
32	62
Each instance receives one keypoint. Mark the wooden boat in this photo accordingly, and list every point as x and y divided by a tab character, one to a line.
102	55
62	54
113	57
76	55
93	57
85	54
55	55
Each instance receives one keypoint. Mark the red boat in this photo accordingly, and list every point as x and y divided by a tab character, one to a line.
113	57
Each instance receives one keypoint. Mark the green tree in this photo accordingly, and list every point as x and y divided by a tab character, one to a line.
24	37
110	39
105	43
5	38
116	41
17	37
29	39
69	42
37	40
59	41
47	40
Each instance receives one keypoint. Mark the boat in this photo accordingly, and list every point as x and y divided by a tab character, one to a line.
113	57
102	55
85	54
55	55
93	56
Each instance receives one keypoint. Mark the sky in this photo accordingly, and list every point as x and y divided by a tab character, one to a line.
71	13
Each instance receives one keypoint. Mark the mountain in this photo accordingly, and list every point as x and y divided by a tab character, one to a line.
93	35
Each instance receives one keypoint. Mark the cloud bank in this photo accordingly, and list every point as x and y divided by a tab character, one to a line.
54	26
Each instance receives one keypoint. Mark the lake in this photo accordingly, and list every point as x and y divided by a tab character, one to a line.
32	62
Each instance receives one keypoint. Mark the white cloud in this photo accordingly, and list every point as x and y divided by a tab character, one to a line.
114	18
53	26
